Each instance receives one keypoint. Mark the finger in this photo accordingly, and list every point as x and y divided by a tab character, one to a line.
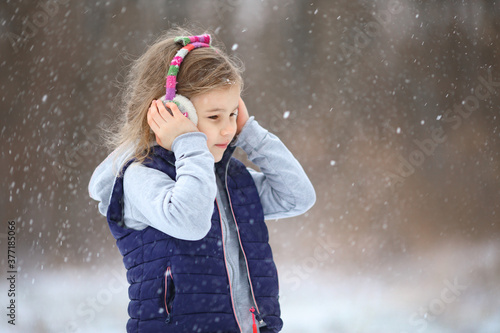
158	111
159	117
242	107
152	124
163	110
154	106
151	121
174	108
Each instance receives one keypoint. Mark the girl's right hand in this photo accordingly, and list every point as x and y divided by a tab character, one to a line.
166	126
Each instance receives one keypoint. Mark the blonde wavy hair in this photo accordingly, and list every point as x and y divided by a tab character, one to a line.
202	70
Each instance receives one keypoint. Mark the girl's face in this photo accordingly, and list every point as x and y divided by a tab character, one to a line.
217	111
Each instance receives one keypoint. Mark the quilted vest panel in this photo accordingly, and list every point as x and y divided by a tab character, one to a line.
183	286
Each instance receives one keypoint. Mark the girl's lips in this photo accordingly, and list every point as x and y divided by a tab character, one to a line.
222	146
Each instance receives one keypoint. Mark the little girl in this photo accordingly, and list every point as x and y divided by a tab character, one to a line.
188	217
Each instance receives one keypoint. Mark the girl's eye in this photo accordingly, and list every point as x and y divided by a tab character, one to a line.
215	117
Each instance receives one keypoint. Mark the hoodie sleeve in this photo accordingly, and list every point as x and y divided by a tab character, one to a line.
181	208
284	188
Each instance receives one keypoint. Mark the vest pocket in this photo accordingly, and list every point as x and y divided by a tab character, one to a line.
169	294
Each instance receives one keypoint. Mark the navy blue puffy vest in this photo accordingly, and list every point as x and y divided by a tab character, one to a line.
183	286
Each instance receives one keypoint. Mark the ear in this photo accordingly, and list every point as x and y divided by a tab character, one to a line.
185	105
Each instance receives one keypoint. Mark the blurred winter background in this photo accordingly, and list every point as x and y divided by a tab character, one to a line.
392	108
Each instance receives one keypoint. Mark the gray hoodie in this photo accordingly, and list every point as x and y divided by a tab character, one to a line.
183	207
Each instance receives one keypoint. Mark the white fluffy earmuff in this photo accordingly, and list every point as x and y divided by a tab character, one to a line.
185	105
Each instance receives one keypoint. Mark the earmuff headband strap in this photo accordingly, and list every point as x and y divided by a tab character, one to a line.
190	43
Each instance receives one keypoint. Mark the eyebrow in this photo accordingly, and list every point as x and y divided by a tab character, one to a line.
219	109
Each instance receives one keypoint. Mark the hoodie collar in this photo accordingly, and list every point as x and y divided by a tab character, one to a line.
222	165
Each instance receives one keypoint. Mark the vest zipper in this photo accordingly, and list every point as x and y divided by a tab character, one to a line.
254	325
226	263
258	315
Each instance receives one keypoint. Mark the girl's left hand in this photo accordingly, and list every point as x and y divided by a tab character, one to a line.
242	116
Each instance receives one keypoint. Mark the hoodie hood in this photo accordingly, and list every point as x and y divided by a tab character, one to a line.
104	176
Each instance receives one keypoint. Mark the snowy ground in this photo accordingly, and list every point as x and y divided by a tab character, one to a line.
458	293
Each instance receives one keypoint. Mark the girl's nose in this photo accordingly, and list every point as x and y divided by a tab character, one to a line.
227	129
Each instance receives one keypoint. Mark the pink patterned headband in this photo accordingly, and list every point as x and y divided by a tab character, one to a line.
190	43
